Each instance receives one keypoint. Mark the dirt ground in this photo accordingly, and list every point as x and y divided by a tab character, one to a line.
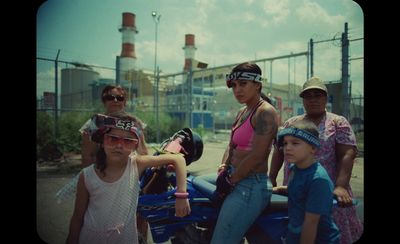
53	218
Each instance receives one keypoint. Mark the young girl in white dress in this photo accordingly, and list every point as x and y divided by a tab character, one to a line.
107	191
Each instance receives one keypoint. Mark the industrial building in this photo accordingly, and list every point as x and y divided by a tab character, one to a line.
76	87
197	95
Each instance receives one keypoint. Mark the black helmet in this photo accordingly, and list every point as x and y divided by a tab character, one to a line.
195	147
190	141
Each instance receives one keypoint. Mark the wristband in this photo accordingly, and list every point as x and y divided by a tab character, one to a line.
181	195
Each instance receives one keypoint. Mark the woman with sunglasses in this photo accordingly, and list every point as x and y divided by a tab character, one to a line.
108	190
114	100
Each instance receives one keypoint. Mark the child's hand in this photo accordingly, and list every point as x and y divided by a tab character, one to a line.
182	207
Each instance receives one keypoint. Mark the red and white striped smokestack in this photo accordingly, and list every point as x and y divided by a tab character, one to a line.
190	49
128	30
127	60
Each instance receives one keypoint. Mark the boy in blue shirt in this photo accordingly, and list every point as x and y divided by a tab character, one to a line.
310	190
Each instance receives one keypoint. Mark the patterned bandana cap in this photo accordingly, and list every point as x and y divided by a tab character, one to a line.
299	133
103	121
242	76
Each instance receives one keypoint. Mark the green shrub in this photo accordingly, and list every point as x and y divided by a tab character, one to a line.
45	143
69	124
68	138
167	125
200	130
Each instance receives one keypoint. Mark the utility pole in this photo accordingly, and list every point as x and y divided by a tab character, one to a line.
202	100
56	97
157	106
117	70
156	18
345	72
311	60
289	90
190	94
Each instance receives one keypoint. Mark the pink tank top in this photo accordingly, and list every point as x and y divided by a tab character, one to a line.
242	136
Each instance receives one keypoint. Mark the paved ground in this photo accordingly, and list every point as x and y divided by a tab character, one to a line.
53	218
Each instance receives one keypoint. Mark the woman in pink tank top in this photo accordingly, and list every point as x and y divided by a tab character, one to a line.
242	175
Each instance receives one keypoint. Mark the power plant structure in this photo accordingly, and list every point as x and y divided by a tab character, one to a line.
137	83
127	60
196	96
190	50
76	87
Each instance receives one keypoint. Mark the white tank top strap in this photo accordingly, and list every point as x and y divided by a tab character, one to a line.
89	175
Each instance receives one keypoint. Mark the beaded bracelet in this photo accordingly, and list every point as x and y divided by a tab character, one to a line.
181	195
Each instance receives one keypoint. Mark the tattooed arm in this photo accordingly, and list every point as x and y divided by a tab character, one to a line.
265	122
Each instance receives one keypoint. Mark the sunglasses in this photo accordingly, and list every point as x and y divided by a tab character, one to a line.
111	97
125	141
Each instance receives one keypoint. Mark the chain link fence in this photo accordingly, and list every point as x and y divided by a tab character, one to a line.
197	98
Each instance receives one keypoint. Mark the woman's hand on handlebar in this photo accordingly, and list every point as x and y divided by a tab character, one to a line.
343	197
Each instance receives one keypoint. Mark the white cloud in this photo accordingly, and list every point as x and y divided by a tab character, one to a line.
289	46
248	2
146	50
278	10
264	23
226	32
312	13
248	17
204	7
105	73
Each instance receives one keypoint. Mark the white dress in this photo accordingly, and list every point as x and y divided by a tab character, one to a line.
111	213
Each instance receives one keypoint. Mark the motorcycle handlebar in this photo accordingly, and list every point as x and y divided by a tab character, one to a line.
354	202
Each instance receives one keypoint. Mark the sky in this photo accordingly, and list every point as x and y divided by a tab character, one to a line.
226	32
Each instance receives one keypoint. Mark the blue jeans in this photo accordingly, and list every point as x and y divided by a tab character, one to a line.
241	208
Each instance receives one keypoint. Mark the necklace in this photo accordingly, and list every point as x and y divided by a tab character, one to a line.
248	112
244	116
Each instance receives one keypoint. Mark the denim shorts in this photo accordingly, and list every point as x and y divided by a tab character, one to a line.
241	208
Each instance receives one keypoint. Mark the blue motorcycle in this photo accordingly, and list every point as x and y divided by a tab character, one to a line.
157	201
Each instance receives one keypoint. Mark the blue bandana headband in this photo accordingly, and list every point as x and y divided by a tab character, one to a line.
299	133
242	76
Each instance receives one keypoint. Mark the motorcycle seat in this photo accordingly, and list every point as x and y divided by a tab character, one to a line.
206	185
278	204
